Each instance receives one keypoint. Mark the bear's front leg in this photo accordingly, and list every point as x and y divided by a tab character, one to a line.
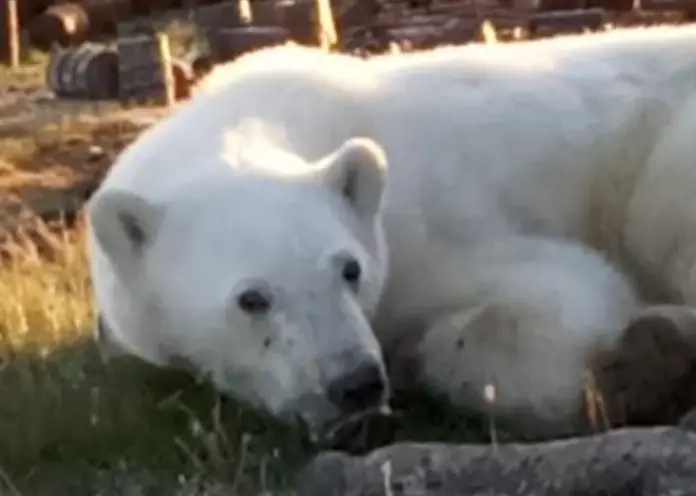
530	338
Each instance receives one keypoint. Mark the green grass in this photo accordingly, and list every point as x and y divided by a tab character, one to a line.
72	424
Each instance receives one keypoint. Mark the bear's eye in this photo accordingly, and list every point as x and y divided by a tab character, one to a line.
351	271
254	302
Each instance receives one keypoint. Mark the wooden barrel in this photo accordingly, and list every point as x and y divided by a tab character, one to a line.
97	74
54	68
88	72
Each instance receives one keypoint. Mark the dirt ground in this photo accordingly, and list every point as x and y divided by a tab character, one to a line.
54	152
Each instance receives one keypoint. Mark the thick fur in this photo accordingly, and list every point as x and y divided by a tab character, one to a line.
511	205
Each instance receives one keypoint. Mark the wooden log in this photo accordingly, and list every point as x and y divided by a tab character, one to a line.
566	21
663	5
11	49
635	462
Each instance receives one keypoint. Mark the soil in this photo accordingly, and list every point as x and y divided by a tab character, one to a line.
54	153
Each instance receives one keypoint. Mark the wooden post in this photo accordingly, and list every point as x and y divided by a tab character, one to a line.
245	12
487	32
165	60
328	38
12	33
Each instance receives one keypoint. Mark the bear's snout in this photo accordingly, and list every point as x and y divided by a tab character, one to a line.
363	388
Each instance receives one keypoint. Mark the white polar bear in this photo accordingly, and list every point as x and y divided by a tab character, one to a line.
503	208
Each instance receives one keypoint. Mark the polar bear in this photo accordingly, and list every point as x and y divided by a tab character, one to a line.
496	213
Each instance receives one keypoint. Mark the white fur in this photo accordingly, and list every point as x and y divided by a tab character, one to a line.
511	168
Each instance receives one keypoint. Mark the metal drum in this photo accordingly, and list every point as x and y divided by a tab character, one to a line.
87	72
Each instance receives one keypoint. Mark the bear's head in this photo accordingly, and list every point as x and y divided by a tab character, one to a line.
264	281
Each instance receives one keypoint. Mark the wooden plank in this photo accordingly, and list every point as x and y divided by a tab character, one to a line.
164	56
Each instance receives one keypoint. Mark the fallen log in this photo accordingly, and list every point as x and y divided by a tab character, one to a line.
623	462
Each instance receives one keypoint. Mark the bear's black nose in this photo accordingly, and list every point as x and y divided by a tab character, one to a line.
361	389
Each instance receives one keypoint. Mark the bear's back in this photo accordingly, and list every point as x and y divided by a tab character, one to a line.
312	101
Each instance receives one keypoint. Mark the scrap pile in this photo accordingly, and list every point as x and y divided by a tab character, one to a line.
369	26
416	22
133	65
72	22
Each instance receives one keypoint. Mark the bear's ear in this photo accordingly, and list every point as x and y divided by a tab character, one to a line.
123	223
357	171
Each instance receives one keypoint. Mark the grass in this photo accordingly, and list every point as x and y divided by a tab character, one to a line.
71	424
30	72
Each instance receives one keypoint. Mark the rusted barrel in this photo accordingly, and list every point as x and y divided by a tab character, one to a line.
70	23
229	43
87	72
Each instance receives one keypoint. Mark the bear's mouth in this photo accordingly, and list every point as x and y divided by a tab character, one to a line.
335	428
346	430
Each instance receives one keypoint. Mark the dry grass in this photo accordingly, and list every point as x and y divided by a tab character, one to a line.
28	75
